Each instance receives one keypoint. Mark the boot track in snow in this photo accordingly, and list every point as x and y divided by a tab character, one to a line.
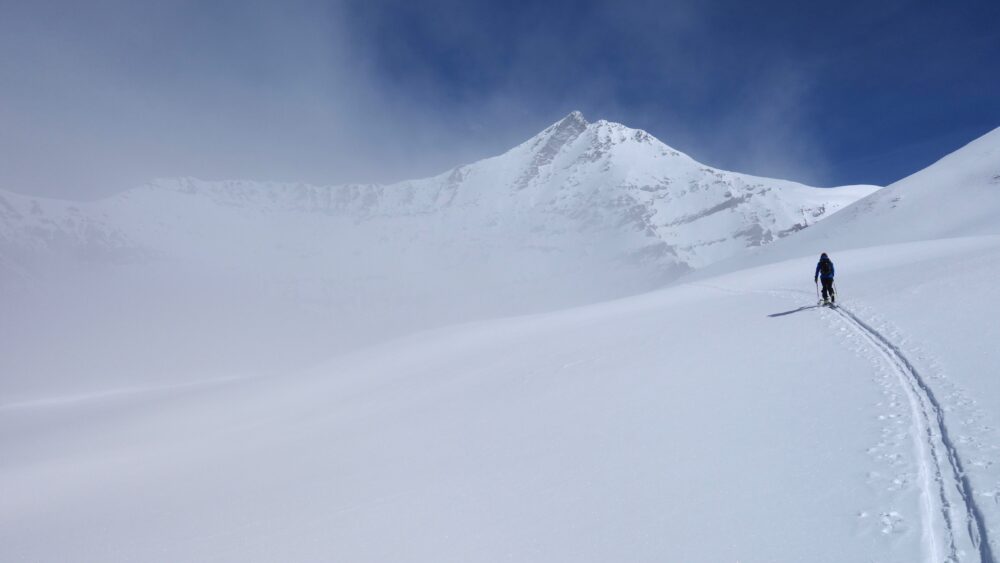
953	524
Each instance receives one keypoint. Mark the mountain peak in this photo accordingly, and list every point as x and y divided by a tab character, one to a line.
575	117
574	123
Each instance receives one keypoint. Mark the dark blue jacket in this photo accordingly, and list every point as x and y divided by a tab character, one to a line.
828	276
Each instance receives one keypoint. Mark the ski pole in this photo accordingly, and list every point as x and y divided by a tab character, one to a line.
817	289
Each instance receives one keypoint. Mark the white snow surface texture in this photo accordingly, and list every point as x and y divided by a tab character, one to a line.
721	417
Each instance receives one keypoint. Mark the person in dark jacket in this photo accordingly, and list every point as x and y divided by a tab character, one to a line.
824	273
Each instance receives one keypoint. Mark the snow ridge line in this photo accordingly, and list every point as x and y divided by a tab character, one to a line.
929	419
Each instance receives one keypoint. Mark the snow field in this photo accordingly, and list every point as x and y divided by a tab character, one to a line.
687	424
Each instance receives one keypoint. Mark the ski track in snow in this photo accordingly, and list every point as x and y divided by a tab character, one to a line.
953	524
948	502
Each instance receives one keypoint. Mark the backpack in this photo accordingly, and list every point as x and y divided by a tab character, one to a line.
825	267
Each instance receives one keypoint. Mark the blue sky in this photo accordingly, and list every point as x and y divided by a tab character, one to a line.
97	97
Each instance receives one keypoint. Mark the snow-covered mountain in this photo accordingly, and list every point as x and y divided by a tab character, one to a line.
620	189
579	213
728	419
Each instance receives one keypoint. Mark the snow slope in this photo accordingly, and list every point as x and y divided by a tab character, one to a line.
957	196
720	421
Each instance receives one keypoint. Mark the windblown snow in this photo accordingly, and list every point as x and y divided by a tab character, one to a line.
722	416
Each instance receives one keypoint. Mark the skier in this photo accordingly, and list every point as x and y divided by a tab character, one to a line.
824	272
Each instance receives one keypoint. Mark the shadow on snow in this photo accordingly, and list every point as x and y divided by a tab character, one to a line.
803	308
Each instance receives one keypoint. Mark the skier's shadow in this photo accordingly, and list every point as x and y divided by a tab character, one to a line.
793	311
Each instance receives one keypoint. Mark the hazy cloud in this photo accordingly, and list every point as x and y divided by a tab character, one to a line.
97	97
